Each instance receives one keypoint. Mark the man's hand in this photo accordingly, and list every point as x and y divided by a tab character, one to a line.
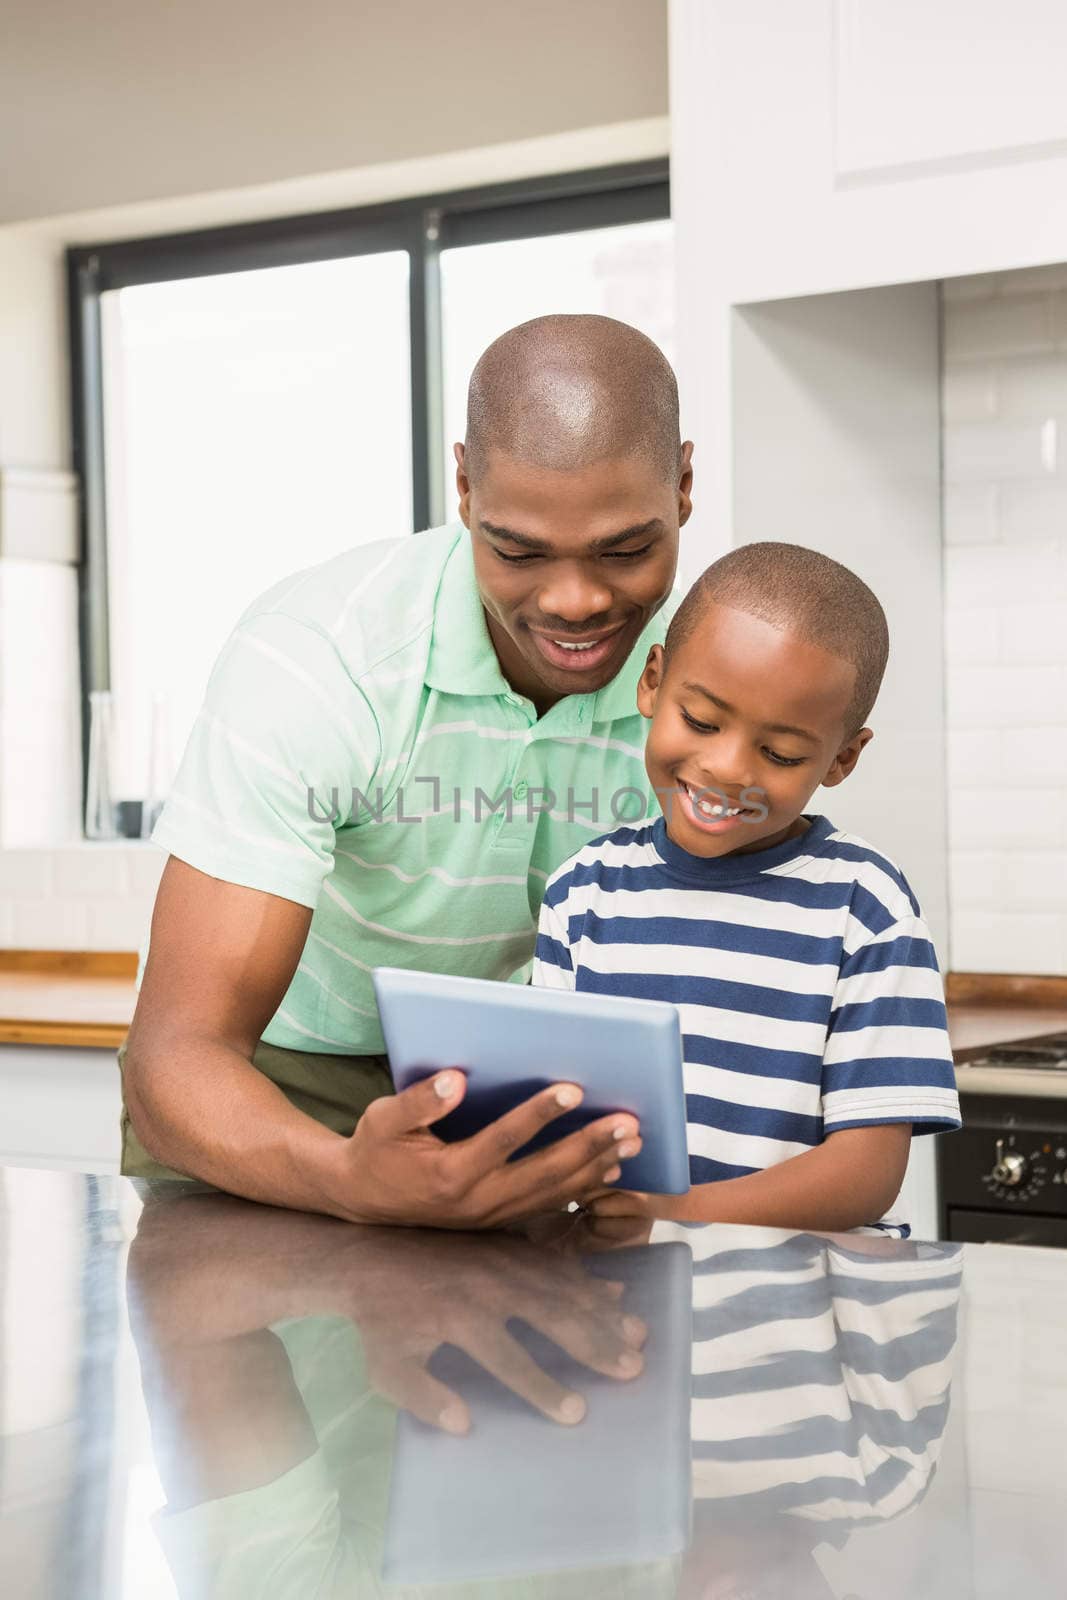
209	1274
431	1290
220	962
394	1169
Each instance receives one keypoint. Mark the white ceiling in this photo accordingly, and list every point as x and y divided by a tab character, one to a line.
108	101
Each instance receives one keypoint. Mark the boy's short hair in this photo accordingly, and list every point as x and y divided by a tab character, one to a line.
803	592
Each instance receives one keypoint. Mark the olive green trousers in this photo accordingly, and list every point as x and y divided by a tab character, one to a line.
335	1090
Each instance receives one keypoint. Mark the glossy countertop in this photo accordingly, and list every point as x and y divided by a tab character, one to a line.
205	1398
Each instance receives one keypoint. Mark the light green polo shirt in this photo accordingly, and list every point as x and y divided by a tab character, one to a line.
360	752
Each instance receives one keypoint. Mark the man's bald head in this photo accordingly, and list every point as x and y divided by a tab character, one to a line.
563	392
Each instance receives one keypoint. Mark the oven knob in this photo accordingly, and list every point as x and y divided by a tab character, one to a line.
1009	1167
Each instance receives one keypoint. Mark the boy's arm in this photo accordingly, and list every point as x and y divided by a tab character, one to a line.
849	1181
887	1070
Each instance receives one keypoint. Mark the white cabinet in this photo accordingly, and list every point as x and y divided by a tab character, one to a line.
59	1108
841	143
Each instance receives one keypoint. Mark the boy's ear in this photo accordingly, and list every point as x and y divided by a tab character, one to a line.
650	681
846	758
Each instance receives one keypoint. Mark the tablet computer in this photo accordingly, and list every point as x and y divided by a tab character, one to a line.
520	1495
512	1040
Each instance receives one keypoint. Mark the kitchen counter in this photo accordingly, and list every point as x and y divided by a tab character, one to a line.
206	1398
66	997
59	1009
85	1000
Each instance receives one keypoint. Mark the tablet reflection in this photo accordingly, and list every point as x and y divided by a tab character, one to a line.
346	1412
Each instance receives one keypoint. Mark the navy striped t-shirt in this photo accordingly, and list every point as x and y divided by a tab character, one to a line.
804	975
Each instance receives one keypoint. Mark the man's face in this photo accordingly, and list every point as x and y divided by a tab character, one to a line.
746	719
571	565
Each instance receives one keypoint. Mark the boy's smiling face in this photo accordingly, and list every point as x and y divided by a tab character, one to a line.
746	718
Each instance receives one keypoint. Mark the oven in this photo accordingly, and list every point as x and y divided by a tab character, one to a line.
1003	1178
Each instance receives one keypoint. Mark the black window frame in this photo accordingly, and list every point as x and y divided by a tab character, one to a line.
423	225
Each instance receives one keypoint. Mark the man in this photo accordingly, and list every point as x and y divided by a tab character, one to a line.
359	790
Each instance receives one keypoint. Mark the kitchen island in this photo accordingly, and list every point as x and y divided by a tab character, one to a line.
204	1397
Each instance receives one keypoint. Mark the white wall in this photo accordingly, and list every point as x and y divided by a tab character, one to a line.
837	446
1005	518
127	101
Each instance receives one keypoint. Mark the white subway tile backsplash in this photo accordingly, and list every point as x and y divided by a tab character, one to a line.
91	869
974	758
974	878
977	286
998	326
50	924
1059	318
970	513
1034	633
85	896
117	924
983	452
1035	879
969	393
1005	696
988	575
1028	387
144	864
972	635
1015	816
998	878
24	873
1003	941
1036	756
1031	512
1031	280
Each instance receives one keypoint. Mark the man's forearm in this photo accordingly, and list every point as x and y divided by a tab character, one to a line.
198	1106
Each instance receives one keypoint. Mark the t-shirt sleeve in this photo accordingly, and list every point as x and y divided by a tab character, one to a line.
887	1056
552	964
280	753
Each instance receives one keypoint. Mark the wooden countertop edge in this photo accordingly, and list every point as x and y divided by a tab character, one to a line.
84	1035
1027	993
1005	989
961	988
71	963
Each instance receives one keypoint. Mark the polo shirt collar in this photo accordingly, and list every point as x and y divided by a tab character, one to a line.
462	659
619	697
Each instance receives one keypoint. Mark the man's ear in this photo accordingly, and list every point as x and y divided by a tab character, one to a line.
846	758
650	682
685	484
463	486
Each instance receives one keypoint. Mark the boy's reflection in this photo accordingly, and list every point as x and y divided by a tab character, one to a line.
276	1350
821	1376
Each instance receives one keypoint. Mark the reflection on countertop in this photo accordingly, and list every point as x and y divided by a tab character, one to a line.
206	1399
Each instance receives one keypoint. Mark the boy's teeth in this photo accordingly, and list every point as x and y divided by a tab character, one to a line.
708	810
565	646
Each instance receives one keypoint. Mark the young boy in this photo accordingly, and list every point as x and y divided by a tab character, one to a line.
813	1019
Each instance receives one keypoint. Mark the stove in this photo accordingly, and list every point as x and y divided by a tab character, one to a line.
1048	1054
1003	1177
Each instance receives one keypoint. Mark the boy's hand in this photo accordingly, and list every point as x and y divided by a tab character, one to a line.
632	1203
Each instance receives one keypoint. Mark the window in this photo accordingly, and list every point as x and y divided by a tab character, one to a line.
625	271
249	401
254	423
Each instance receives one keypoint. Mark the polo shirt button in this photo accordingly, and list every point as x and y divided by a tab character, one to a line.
520	789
